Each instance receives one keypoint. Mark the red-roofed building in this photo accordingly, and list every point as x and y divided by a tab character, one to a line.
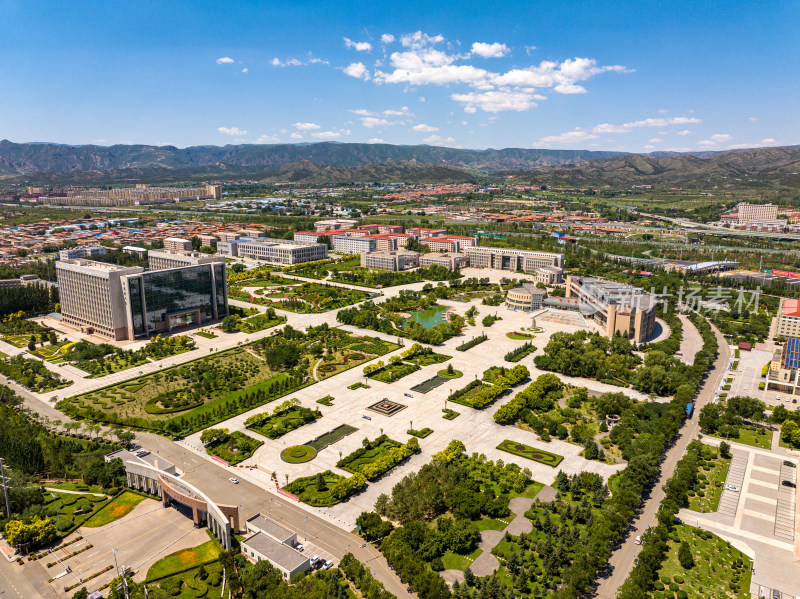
789	319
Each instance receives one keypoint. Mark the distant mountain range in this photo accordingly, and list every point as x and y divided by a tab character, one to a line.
331	162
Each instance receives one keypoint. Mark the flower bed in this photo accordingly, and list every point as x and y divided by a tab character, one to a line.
530	453
420	433
298	454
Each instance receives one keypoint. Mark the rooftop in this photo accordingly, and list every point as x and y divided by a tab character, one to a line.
278	553
270	527
790	307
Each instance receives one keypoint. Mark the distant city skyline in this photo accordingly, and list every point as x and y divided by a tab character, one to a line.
641	77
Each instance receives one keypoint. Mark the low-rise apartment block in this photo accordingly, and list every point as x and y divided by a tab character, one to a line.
789	319
176	243
344	244
279	251
422	232
84	251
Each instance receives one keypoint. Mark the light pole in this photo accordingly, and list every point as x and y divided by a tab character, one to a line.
58	516
304	530
269	505
183	463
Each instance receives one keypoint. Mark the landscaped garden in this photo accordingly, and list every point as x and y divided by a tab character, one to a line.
325	488
530	453
519	336
70	510
450	372
377	457
183	559
232	447
331	437
430	384
479	394
298	454
422	433
710	567
119	507
285	418
303	298
202	392
33	374
713	470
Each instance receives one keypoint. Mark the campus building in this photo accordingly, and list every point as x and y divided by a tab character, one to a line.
344	244
394	261
421	232
525	298
269	541
441	244
163	259
748	212
278	251
122	303
616	307
84	251
176	243
341	223
451	261
789	319
783	369
549	275
512	259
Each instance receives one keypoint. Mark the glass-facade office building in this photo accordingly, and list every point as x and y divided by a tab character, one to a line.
163	301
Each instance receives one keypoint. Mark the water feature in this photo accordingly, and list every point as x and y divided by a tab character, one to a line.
429	318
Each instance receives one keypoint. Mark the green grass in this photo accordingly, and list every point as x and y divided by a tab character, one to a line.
306	489
449	414
119	507
750	436
358	463
81	487
236	448
715	566
531	491
489	524
185	558
530	453
393	372
456	374
358	385
189	585
454	561
520	336
277	425
298	454
206	334
715	470
420	433
331	437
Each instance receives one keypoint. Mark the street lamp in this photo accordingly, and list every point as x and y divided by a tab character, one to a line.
55	501
304	529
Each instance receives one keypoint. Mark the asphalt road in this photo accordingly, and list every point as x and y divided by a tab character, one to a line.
622	559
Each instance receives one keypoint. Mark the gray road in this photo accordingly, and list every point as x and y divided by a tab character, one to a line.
622	559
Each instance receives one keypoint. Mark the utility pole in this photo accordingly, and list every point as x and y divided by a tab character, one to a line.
5	486
124	579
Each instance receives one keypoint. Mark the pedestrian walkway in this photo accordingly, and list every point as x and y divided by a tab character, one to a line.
729	501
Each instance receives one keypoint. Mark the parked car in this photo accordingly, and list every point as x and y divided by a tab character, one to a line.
235	481
299	547
365	417
328	565
732	488
788	483
638	540
789	463
776	594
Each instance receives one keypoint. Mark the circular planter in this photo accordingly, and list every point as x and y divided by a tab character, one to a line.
456	374
298	454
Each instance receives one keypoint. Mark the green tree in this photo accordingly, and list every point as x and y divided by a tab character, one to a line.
230	323
685	556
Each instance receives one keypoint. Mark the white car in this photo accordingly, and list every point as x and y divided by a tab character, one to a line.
732	488
638	540
328	565
778	397
235	481
299	547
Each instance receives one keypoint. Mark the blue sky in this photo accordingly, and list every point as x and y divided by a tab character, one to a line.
635	76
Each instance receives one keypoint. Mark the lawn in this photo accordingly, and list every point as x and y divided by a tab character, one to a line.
276	425
69	510
304	298
420	433
393	372
704	498
206	583
531	453
752	435
450	374
487	523
517	336
206	334
82	487
717	566
53	353
363	457
298	454
183	559
449	414
234	448
119	507
331	437
454	561
306	490
430	384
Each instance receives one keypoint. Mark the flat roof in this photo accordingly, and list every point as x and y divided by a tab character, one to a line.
282	555
270	527
790	307
151	459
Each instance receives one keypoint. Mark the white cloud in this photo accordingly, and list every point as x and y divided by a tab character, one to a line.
655	140
752	119
560	76
98	141
570	88
357	46
371	121
375	140
437	140
684	132
267	139
404	111
495	50
662	111
296	136
706	142
651	122
362	112
495	101
295	62
387	38
244	70
306	126
720	137
529	50
357	70
329	134
419	39
224	60
424	128
649	147
574	136
231	131
768	140
276	62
